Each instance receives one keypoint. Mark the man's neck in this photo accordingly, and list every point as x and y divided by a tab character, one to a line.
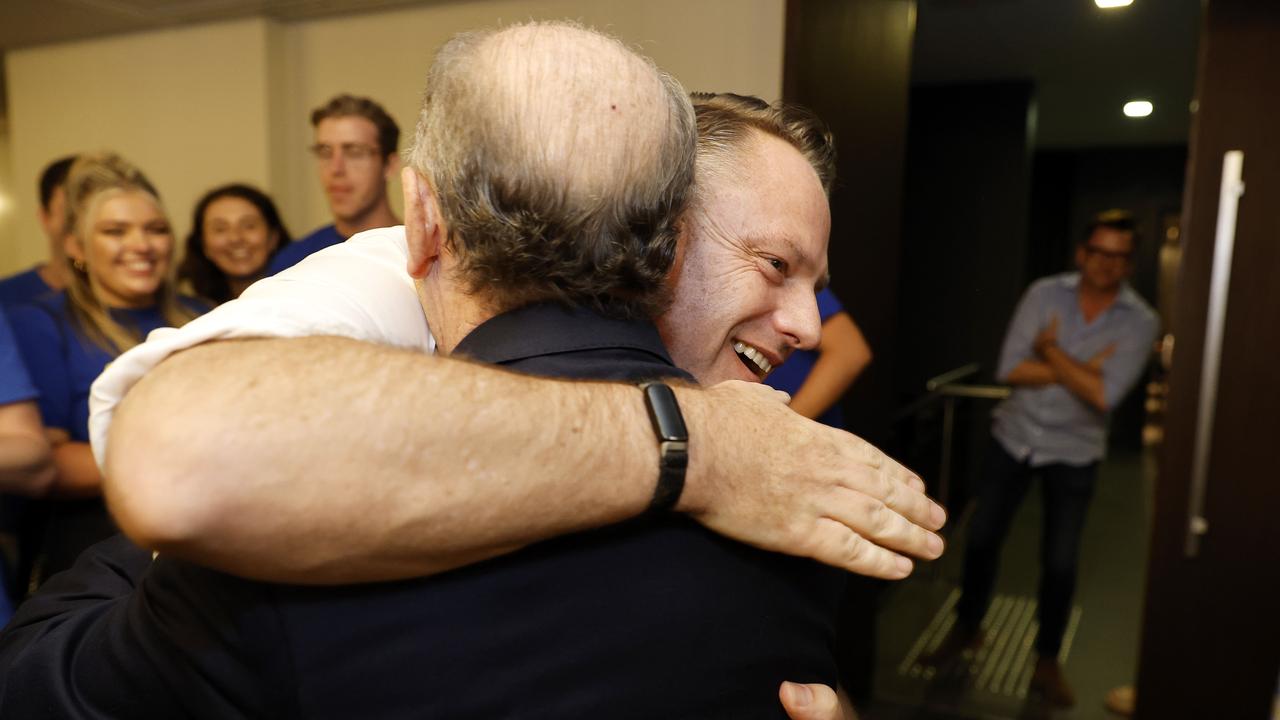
54	272
1095	301
378	216
450	314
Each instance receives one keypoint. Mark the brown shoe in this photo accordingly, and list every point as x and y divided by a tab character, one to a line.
1051	684
960	639
1121	700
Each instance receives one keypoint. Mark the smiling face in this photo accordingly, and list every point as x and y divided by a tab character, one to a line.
353	170
236	237
754	252
125	245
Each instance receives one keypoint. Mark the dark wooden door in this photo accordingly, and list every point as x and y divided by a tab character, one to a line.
1211	628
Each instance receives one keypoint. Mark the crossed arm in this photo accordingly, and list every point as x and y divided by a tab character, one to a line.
1052	365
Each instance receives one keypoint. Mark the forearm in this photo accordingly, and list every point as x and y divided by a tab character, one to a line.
26	466
1083	381
371	464
1032	372
823	388
76	473
323	460
843	355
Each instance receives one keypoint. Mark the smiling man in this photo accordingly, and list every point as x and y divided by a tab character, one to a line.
757	229
355	154
575	215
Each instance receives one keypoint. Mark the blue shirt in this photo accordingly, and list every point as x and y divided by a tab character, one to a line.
63	363
790	375
1048	423
15	385
296	251
23	287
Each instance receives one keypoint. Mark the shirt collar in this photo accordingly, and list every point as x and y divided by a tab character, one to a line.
548	328
1127	297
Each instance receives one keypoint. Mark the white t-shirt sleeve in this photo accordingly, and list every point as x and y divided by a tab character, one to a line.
358	289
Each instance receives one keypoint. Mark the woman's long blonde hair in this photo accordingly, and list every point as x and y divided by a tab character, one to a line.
91	179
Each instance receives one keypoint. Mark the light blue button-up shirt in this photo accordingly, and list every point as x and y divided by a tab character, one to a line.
1047	423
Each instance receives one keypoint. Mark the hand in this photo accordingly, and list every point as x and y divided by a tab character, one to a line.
770	478
813	702
1048	336
1095	363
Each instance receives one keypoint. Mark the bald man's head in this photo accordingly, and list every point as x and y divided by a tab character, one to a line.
560	160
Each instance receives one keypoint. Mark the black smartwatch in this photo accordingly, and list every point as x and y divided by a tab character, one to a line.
673	444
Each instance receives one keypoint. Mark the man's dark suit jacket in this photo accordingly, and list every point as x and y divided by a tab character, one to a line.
653	618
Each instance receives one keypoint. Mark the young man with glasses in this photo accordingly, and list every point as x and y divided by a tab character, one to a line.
355	153
1077	344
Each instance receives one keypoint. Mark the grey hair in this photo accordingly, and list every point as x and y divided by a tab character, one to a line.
561	161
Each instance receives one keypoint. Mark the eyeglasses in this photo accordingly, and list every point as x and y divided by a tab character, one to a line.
1108	254
351	152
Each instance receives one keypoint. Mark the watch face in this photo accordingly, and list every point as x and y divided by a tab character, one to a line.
665	413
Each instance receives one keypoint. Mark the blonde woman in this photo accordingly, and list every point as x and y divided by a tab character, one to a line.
119	247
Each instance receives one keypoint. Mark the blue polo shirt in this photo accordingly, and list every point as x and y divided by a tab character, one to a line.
789	376
15	384
296	251
63	363
1048	423
23	287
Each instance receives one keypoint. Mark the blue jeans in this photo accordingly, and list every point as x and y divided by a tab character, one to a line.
1066	490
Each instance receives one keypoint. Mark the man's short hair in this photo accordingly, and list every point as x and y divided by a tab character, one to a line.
1118	220
726	122
345	105
53	177
561	161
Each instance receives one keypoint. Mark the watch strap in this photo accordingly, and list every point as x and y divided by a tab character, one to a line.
673	445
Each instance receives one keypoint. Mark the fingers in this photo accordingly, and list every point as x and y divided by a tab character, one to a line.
896	486
872	518
833	543
809	702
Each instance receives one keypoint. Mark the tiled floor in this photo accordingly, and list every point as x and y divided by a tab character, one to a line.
1101	648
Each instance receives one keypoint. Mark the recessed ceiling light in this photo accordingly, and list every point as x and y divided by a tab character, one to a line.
1111	4
1138	108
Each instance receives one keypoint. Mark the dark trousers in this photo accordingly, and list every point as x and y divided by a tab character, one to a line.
1066	490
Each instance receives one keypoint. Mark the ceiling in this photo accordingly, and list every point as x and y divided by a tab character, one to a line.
1085	62
36	22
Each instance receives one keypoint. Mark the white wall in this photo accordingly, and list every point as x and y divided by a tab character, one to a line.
9	190
186	105
208	104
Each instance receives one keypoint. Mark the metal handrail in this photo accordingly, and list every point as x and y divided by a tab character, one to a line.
950	376
981	392
946	388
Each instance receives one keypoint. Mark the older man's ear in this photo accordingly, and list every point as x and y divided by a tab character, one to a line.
424	230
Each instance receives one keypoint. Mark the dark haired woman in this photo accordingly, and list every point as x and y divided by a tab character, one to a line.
235	232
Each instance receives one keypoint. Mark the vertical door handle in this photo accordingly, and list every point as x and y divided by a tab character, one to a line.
1220	281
